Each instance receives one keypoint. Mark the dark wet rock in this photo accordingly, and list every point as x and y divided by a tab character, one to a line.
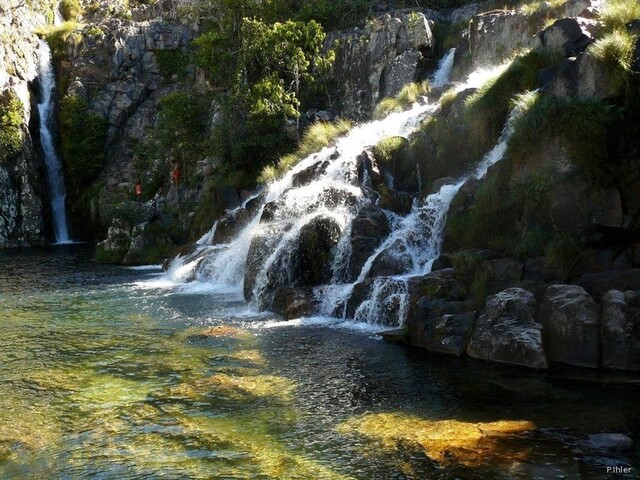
500	273
360	293
229	227
269	211
399	336
442	262
617	442
571	323
597	284
449	333
292	302
565	34
389	263
314	251
368	230
309	174
620	330
507	331
439	284
258	252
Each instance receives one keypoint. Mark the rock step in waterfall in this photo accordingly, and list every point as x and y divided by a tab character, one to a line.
55	175
319	236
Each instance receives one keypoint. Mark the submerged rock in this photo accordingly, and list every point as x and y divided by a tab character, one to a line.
611	441
292	302
507	331
449	333
570	321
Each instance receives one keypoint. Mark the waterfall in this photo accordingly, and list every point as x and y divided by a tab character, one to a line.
46	109
336	186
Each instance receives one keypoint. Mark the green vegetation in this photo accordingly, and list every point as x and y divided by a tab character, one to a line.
58	36
615	50
82	138
487	109
616	14
10	125
562	254
582	124
447	98
389	149
403	100
173	62
317	136
71	10
465	262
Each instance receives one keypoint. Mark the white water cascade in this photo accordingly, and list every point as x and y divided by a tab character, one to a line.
46	109
337	188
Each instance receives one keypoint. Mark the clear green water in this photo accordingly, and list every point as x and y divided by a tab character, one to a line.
103	375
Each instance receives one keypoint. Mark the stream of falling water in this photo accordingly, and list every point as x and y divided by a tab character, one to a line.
337	193
46	109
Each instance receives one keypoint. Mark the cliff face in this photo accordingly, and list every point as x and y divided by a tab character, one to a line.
23	188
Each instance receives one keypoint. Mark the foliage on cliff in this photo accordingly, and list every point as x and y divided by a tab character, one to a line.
83	137
10	125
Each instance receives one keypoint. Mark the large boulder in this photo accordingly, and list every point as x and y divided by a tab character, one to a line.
377	61
314	252
597	284
620	330
507	331
292	302
565	34
368	230
570	326
500	273
449	333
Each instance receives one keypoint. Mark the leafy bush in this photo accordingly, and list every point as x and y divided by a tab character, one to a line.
532	243
173	62
10	125
404	99
83	135
317	136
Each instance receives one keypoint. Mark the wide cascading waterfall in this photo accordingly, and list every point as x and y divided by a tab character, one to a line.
46	109
307	220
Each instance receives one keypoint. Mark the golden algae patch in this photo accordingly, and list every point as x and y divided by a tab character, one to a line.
267	456
238	387
253	357
217	331
444	441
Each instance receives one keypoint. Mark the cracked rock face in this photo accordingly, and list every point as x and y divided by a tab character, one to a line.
377	61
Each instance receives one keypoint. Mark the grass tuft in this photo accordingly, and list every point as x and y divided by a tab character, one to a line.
616	14
404	99
615	50
317	136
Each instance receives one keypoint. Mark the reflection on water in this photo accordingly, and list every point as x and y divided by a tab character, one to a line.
102	378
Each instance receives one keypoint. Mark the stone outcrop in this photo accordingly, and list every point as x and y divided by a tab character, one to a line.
23	188
377	61
507	331
620	330
571	326
292	302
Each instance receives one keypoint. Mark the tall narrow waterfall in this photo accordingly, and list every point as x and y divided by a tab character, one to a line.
46	109
329	192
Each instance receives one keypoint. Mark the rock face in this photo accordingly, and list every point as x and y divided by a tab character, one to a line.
23	189
507	331
380	59
620	330
570	321
292	302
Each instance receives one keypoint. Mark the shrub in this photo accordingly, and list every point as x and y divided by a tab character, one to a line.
83	136
70	9
58	36
10	125
173	62
404	99
532	243
465	262
317	136
562	254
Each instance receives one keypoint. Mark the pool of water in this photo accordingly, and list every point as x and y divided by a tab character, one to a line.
113	373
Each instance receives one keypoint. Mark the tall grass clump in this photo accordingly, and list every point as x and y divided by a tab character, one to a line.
616	14
71	10
58	35
582	124
317	136
615	51
404	99
487	109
